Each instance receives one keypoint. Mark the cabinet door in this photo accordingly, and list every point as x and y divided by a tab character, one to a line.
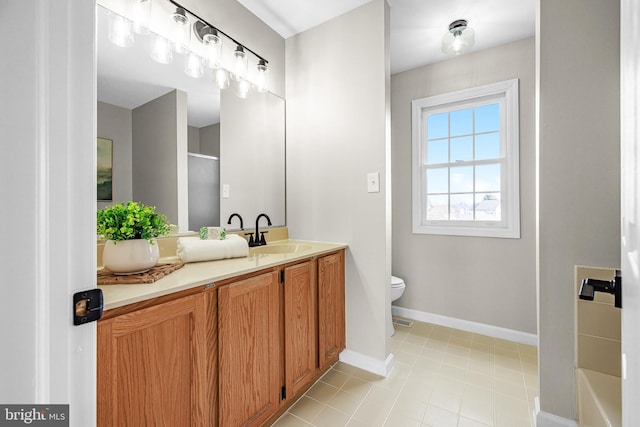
151	366
331	323
299	326
249	350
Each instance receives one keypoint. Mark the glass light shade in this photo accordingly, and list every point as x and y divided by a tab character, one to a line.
243	89
458	41
193	65
222	78
240	64
261	82
161	50
181	29
213	47
141	13
120	30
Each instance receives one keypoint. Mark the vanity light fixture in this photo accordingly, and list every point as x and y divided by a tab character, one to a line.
181	29
262	76
161	51
141	13
213	43
193	65
180	17
222	78
120	30
211	37
240	63
459	38
243	89
178	37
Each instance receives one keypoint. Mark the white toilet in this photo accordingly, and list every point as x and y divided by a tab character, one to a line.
397	289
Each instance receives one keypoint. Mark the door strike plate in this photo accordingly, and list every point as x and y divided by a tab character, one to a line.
87	306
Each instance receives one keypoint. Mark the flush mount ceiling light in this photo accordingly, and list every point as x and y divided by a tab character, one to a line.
459	38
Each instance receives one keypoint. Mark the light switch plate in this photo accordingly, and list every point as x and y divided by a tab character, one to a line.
373	182
225	191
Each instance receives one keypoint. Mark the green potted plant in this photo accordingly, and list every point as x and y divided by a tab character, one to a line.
130	230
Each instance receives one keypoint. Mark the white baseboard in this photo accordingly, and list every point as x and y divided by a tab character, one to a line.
466	325
368	363
545	419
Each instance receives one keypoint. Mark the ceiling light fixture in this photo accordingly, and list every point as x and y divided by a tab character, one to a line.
459	38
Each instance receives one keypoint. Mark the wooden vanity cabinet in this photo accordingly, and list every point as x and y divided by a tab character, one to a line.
331	308
152	366
235	354
300	330
249	350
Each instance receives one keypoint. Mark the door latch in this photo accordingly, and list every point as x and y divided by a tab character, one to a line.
87	306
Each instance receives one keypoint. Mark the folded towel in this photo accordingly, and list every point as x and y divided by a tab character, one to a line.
192	249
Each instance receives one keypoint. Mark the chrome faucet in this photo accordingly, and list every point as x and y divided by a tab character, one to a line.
260	240
239	217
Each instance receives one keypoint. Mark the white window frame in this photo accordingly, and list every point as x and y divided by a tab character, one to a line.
506	93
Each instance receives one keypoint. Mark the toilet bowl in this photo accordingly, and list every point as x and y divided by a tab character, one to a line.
397	289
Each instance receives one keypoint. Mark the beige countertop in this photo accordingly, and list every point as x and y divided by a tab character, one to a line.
202	273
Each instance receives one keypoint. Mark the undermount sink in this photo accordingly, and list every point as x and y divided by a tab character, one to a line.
285	248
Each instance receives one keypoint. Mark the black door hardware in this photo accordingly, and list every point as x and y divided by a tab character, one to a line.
589	287
87	306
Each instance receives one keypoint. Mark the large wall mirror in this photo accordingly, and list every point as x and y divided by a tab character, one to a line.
179	143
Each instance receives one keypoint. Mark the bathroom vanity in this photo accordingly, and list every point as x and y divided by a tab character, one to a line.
222	343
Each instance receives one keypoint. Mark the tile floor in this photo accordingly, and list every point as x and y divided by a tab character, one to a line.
441	377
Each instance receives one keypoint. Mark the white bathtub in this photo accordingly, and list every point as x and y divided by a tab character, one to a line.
599	399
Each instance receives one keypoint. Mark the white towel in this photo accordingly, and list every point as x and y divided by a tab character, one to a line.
192	249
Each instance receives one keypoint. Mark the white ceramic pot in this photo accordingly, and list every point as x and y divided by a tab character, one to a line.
130	256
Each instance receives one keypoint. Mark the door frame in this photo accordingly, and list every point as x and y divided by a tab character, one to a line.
49	191
630	207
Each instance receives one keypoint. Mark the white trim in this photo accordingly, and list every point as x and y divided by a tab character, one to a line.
202	156
545	419
509	226
42	298
368	363
467	325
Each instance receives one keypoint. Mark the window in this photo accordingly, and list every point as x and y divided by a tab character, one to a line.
465	162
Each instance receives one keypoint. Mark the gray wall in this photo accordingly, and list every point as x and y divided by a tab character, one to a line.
578	172
193	139
486	280
114	123
205	140
252	156
337	132
160	156
210	140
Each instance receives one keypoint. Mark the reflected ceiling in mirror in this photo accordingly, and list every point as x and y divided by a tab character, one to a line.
128	77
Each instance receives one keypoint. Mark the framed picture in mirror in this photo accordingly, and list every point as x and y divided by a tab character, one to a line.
105	169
